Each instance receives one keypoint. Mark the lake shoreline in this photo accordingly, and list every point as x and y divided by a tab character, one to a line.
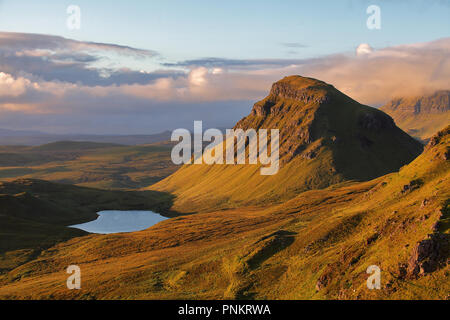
121	221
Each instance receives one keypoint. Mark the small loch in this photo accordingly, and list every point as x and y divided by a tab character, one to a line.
113	221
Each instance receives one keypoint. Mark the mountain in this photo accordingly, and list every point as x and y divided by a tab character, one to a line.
325	138
421	116
318	245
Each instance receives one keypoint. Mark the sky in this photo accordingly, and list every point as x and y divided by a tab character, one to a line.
148	66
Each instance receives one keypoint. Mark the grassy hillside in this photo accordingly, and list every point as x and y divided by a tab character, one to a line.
421	116
98	165
317	245
325	138
34	214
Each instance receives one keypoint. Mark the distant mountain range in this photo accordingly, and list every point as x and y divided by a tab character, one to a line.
325	138
35	138
20	133
421	116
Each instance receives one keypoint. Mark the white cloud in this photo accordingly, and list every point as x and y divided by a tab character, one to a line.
9	86
217	71
363	49
376	78
197	76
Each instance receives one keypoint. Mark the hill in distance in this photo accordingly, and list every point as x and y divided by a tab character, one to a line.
32	138
90	164
318	245
325	138
421	116
74	146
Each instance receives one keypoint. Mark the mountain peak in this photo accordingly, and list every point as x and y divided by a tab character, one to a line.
311	113
294	88
300	88
297	83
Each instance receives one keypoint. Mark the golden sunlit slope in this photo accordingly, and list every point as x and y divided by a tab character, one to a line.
34	214
325	138
317	245
421	116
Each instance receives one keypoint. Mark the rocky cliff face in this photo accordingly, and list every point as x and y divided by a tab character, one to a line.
438	102
303	90
421	116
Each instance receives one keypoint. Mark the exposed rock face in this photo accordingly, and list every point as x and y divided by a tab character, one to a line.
438	102
444	153
426	256
413	185
262	109
300	89
421	116
323	281
303	94
437	138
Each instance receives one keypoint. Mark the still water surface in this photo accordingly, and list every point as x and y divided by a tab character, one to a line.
113	221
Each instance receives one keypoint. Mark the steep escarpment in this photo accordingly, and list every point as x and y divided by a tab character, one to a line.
325	138
421	116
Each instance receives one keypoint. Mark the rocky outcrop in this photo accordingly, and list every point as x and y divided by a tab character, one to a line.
426	256
308	94
413	185
437	138
323	281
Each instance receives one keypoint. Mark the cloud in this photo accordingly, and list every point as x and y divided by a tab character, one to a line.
28	41
54	84
197	76
370	76
383	74
294	45
55	58
244	64
12	87
363	49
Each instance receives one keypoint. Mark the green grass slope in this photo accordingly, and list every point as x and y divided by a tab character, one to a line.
325	138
